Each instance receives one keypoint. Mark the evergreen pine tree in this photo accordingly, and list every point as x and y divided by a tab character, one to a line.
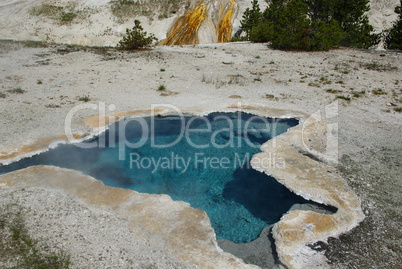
251	18
290	26
354	22
393	37
311	24
136	38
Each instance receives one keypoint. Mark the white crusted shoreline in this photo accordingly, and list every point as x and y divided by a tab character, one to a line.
290	240
26	119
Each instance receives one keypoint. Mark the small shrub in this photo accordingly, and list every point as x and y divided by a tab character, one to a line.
136	38
311	84
346	98
161	88
358	94
39	82
162	69
2	95
84	98
398	109
269	96
16	90
379	92
332	91
325	81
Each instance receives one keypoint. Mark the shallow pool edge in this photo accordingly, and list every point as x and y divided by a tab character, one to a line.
312	178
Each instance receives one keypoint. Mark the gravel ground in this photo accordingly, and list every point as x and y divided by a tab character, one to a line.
63	223
203	76
375	175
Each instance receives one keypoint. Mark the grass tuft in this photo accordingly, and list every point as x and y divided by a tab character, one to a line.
16	90
84	98
332	91
161	88
379	92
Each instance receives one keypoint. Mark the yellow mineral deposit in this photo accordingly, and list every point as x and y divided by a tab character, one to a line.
185	28
224	31
213	16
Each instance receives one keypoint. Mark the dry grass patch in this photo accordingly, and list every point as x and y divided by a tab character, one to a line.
19	250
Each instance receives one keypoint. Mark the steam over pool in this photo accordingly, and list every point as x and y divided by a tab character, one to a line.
204	161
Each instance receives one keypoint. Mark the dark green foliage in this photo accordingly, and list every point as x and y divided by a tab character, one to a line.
393	37
360	35
262	32
351	17
162	88
312	24
251	17
136	38
293	29
324	36
291	26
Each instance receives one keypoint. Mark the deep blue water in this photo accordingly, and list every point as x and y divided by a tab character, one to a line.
200	160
